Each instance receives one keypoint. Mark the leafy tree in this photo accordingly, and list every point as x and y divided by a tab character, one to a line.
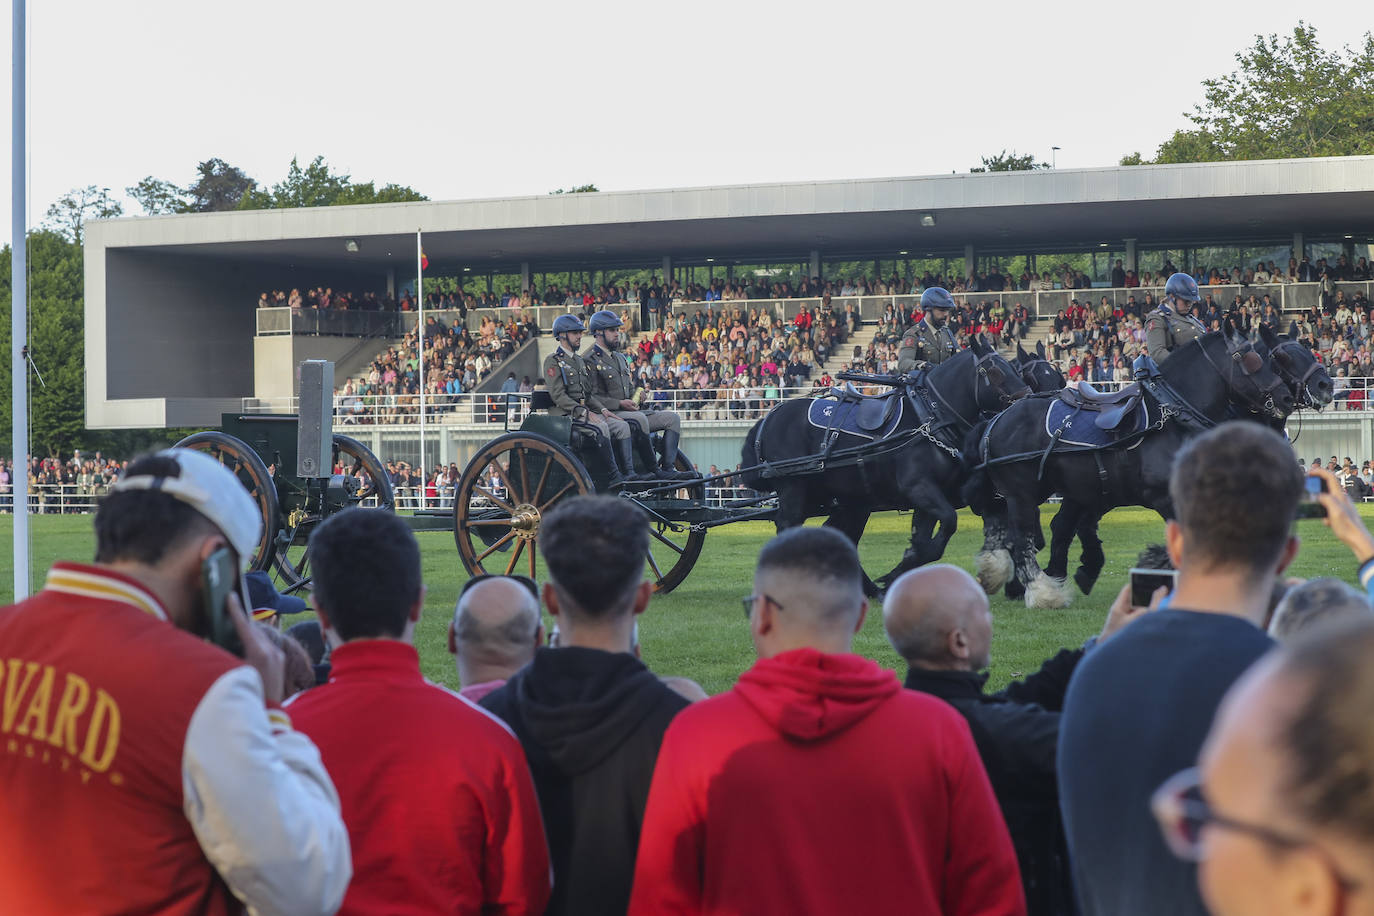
317	186
77	206
365	193
1009	162
220	187
580	189
158	197
1288	98
1132	159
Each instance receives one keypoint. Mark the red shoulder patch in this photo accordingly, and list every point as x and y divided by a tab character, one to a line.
1150	326
552	373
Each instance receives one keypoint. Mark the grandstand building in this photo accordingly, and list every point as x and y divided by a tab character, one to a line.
174	336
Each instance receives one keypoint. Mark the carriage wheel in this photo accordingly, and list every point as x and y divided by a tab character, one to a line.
672	554
248	467
496	526
292	556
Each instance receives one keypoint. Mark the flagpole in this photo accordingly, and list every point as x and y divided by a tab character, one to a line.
420	347
19	309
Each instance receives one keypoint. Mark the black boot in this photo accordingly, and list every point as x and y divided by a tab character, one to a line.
608	456
626	458
644	447
666	469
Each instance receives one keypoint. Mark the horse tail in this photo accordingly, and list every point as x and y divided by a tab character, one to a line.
978	492
751	456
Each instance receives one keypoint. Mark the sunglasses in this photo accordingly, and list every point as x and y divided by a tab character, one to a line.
525	581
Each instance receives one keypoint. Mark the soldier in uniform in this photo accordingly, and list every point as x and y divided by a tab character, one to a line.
929	341
570	386
612	386
1172	324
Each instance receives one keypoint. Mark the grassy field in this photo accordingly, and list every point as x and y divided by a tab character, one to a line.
699	630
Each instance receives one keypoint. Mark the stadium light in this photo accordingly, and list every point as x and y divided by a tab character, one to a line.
928	220
351	246
901	252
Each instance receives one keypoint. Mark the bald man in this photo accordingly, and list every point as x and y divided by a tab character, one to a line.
937	618
494	632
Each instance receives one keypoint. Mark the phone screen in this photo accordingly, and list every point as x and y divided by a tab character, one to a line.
219	577
1145	581
1313	487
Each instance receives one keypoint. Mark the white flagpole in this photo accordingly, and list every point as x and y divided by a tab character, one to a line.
19	311
420	347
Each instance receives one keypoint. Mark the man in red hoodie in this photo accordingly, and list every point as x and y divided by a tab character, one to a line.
818	785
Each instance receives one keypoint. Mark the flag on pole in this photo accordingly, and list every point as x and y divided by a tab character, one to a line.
424	260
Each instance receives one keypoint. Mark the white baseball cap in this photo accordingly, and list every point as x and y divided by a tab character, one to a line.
212	490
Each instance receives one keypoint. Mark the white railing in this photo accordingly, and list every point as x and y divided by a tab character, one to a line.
55	498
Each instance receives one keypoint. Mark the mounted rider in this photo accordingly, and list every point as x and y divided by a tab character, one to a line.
570	387
1172	324
612	390
929	341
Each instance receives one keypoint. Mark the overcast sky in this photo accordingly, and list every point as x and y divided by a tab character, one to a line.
464	100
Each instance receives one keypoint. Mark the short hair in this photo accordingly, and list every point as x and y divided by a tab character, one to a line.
140	525
1154	556
1235	491
1317	601
366	567
517	630
822	557
595	547
1327	740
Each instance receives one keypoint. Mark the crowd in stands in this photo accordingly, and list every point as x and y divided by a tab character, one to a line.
62	485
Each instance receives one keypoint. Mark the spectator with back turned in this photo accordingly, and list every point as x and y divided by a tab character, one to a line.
1139	706
495	629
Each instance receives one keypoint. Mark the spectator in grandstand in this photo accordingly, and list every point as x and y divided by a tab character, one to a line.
177	793
436	795
590	715
1278	814
495	629
937	618
1235	490
815	745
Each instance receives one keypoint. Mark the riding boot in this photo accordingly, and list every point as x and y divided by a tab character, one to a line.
644	446
608	456
666	469
626	459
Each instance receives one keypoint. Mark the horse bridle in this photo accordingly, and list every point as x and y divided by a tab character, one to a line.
1262	401
1299	385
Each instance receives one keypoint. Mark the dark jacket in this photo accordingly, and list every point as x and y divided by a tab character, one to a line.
1017	732
591	723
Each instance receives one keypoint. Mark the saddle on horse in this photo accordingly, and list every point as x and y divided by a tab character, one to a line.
1113	408
870	411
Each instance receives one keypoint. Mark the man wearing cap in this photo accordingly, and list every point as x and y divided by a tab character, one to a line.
570	387
612	386
1172	324
146	770
929	341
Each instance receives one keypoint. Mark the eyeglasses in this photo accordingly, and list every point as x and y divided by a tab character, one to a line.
1183	812
525	581
748	601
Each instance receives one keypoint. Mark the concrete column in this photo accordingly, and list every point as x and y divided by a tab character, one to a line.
524	276
815	264
667	269
1299	248
968	261
1131	256
391	282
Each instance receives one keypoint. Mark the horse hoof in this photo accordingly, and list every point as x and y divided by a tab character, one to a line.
1046	592
1014	589
993	569
1084	580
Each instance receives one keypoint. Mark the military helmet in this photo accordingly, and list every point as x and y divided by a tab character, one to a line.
604	320
564	323
1182	286
936	298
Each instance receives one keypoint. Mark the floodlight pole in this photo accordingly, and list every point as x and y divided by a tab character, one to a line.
19	308
420	347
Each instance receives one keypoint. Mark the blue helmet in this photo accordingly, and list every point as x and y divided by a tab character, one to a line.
604	320
564	323
936	298
1182	286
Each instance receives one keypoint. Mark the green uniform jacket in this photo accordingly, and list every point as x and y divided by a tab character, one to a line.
569	381
611	378
922	343
1166	329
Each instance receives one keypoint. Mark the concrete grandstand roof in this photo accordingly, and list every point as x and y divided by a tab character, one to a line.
1201	203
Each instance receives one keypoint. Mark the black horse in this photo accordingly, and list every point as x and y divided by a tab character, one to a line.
1037	371
1017	460
847	476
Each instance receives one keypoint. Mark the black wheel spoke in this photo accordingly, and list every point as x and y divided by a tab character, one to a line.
659	536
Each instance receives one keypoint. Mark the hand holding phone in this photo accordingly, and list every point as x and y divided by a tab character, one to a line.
219	576
1311	505
1145	582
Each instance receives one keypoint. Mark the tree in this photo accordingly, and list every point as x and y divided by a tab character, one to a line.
317	186
365	193
77	206
158	197
1132	159
1010	162
580	189
1288	98
220	187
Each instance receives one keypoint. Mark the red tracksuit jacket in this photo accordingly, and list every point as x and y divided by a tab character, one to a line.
818	785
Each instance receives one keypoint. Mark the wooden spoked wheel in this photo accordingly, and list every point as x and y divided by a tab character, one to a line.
673	553
505	491
249	468
364	482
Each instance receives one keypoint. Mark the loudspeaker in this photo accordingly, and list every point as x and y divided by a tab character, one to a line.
315	430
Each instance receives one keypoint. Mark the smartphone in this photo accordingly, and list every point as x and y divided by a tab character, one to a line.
219	575
1145	581
1309	507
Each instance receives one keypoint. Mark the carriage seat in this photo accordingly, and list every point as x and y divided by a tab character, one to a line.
1113	408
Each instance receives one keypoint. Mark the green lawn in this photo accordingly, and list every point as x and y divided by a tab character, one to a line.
699	630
